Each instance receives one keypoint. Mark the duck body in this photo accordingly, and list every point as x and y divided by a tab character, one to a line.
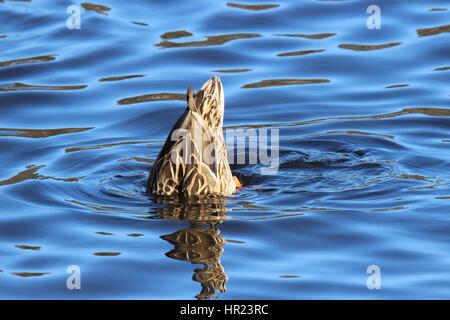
193	160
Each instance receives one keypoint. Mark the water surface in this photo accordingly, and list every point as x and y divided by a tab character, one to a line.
364	123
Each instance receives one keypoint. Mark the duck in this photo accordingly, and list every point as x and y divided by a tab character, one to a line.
193	160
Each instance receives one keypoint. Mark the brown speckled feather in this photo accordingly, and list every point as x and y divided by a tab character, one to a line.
193	160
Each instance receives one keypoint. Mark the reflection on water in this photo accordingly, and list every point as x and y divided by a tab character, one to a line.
299	53
433	31
315	36
201	242
176	34
31	173
95	7
231	70
360	47
153	97
363	117
210	40
23	87
27	60
255	7
282	82
38	133
119	78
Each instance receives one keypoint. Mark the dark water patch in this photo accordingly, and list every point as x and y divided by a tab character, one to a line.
283	82
438	9
446	68
434	112
299	53
103	233
153	97
102	146
290	276
416	177
120	78
135	235
314	36
29	274
27	247
3	36
27	87
107	254
95	7
232	70
140	23
14	62
368	47
210	40
425	32
176	34
234	241
443	198
253	7
389	209
394	86
39	133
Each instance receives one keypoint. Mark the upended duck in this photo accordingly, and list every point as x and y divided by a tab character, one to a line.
193	160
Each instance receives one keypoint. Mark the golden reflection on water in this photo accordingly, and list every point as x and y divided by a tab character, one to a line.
176	34
14	62
201	242
29	274
433	31
38	133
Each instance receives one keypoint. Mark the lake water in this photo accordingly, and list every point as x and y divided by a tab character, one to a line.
364	174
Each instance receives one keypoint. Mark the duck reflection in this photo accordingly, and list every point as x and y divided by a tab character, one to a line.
201	242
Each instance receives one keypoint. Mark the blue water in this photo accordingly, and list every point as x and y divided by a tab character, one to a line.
364	158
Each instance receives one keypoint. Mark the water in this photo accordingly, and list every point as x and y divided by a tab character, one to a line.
364	153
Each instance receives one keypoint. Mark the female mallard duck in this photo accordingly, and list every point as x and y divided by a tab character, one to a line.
193	160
